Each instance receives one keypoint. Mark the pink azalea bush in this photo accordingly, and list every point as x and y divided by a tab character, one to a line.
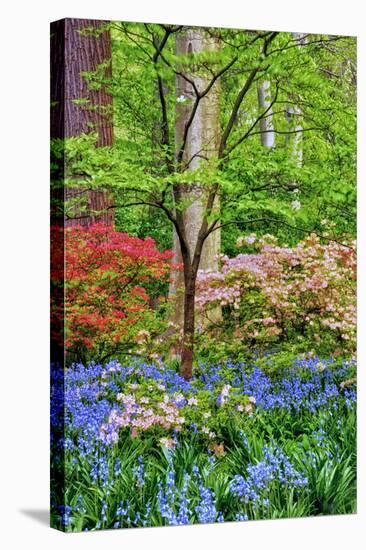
142	413
276	290
146	407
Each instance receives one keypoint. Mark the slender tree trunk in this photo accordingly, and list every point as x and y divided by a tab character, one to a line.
266	124
201	147
82	46
294	141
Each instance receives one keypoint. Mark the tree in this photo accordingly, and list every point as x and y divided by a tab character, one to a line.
81	103
203	187
251	185
196	142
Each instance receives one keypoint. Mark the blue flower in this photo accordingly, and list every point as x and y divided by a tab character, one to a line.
139	472
206	509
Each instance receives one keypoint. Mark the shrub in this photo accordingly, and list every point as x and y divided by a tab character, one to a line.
107	277
278	293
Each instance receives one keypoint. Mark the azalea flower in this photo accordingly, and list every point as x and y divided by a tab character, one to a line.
168	443
320	366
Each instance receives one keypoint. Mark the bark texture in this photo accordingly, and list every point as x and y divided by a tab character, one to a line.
82	46
201	146
266	123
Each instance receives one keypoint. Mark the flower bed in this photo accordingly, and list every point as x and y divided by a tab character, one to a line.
145	447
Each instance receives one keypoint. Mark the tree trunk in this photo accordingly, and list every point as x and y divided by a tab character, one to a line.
201	147
294	119
294	140
188	325
77	46
266	124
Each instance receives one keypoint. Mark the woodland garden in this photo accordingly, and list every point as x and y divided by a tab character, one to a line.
203	310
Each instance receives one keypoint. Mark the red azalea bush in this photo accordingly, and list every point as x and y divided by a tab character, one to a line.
278	292
107	274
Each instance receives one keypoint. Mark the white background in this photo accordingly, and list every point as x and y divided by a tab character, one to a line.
24	257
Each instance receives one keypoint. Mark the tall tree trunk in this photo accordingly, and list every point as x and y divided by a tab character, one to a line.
266	123
294	140
75	109
82	46
201	146
294	119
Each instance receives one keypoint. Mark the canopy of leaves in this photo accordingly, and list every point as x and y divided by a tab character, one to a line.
258	185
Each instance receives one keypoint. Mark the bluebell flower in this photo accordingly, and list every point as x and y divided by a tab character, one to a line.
139	472
65	512
241	517
206	509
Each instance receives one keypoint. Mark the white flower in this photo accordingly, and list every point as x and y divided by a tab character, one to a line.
192	401
320	366
250	239
181	99
296	205
225	390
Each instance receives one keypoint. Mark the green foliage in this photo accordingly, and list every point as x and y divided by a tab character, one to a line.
257	184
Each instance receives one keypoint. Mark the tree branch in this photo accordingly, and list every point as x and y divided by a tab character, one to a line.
305	231
240	97
260	117
235	110
199	95
310	129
